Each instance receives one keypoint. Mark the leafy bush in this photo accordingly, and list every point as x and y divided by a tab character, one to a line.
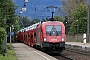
2	37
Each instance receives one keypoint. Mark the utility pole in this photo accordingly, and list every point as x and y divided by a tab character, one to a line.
89	19
88	24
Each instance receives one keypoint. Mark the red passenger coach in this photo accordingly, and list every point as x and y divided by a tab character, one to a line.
20	35
50	36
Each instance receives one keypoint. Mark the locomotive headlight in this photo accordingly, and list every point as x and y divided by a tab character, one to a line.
63	39
44	39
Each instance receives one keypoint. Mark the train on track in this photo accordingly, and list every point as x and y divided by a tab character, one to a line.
48	36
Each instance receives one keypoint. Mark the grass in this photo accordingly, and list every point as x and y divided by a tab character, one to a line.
9	55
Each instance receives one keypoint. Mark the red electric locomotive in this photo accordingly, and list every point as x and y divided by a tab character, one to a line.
48	36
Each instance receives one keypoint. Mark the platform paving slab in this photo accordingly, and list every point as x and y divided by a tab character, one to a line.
85	46
25	52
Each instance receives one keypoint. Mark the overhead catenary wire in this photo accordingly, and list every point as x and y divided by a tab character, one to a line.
39	8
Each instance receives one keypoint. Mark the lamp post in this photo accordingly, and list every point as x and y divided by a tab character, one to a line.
66	26
77	27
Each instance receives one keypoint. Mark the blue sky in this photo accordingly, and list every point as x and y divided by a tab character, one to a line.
39	5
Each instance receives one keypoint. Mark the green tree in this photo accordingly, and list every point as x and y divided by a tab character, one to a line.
79	24
17	24
26	21
59	18
2	37
68	6
7	18
35	20
7	12
7	7
43	20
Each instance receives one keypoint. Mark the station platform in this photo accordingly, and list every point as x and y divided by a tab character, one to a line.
78	45
25	52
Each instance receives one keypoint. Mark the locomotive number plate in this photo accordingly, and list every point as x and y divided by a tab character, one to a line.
53	39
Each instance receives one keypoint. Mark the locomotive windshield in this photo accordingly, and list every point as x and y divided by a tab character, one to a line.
53	30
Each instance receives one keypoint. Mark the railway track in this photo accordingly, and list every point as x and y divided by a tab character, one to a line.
63	57
83	52
60	56
73	54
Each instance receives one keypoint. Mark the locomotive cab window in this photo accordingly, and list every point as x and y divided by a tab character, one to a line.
53	30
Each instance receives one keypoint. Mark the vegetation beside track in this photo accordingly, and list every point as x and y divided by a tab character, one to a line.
9	55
